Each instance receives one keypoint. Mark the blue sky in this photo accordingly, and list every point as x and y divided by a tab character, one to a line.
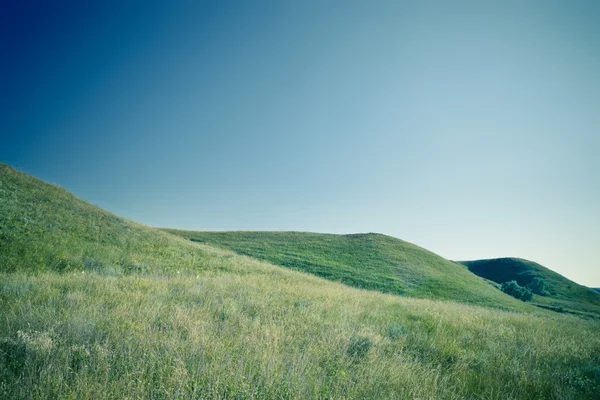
469	128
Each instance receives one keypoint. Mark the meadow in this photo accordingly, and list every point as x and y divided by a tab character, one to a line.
271	333
94	306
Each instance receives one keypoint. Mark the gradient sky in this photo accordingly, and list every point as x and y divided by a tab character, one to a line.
469	128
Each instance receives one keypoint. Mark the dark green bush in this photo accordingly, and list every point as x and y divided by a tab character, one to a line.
396	331
538	286
514	289
359	346
13	355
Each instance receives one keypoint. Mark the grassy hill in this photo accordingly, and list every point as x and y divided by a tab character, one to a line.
562	291
370	261
45	228
94	306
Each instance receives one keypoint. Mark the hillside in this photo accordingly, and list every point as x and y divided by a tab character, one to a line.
276	334
370	261
45	228
562	291
94	306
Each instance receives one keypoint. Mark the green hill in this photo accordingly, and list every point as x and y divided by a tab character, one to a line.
370	261
563	293
94	306
45	228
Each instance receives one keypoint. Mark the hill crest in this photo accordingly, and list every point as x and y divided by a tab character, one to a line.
563	293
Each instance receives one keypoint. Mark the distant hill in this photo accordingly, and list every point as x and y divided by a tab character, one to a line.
596	289
369	261
562	291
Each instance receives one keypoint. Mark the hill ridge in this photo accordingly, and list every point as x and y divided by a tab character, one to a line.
563	293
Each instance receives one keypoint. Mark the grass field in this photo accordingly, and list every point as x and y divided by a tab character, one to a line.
94	306
276	334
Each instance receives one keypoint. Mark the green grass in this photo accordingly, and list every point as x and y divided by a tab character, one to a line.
45	228
94	306
564	294
276	334
370	261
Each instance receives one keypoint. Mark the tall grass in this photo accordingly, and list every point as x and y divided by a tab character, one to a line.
45	228
276	334
94	306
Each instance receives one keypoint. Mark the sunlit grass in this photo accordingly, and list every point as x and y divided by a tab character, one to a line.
94	306
276	334
369	261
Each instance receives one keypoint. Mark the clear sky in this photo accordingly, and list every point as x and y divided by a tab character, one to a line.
471	128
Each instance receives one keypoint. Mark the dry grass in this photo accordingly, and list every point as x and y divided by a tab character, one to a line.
276	334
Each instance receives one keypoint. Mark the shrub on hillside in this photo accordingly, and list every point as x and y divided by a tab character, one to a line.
538	286
514	289
396	331
359	346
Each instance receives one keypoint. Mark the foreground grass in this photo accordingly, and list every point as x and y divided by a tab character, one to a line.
271	333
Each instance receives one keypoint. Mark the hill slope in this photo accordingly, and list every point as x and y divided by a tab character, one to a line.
562	291
371	261
276	334
45	228
229	326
